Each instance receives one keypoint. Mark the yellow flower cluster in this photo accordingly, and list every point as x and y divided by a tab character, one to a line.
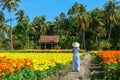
42	61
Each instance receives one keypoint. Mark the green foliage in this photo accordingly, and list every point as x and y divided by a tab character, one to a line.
78	25
96	58
61	69
58	47
40	75
54	78
66	41
111	72
1	41
115	38
37	47
105	45
24	74
93	45
118	44
30	74
109	75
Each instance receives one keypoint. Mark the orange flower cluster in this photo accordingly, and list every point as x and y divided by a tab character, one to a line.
13	65
110	57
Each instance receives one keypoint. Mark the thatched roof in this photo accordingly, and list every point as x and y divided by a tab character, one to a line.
49	39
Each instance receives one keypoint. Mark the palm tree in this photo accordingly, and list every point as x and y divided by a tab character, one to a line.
43	25
111	15
64	24
11	5
2	24
22	29
20	16
81	19
38	27
3	28
96	18
50	28
97	25
57	25
84	20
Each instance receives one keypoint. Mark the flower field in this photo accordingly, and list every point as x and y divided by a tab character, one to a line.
110	57
13	62
111	64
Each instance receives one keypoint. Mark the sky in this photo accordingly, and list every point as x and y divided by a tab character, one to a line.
52	8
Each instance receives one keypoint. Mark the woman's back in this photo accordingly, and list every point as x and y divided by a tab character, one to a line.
76	50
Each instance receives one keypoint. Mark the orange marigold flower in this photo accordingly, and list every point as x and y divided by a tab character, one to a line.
107	63
119	61
113	62
2	74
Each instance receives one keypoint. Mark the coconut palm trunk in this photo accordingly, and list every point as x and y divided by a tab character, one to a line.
84	44
98	43
111	15
110	30
11	5
11	37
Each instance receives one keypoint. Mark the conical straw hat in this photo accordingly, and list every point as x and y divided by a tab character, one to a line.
75	44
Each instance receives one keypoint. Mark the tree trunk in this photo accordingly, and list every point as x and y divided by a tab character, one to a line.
28	38
109	35
84	45
11	37
82	39
98	43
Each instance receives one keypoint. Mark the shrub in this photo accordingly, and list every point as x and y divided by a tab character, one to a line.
105	45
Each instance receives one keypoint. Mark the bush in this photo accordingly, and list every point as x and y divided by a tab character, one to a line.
105	45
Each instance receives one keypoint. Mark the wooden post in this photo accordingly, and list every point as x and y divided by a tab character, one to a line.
40	45
45	45
57	44
51	45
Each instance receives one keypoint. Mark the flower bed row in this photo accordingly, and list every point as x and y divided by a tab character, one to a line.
9	65
40	51
110	60
29	65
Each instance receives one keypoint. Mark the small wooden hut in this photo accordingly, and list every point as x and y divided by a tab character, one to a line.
48	42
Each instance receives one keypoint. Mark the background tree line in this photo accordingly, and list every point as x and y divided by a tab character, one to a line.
95	29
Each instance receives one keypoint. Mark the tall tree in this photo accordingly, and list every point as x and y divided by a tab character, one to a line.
97	25
78	11
65	26
3	29
20	16
3	26
61	24
74	19
62	28
111	15
96	18
11	5
21	30
50	28
38	27
57	26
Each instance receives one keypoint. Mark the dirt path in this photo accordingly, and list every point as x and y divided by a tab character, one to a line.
84	73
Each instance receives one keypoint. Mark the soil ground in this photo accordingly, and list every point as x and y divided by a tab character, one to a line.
84	73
